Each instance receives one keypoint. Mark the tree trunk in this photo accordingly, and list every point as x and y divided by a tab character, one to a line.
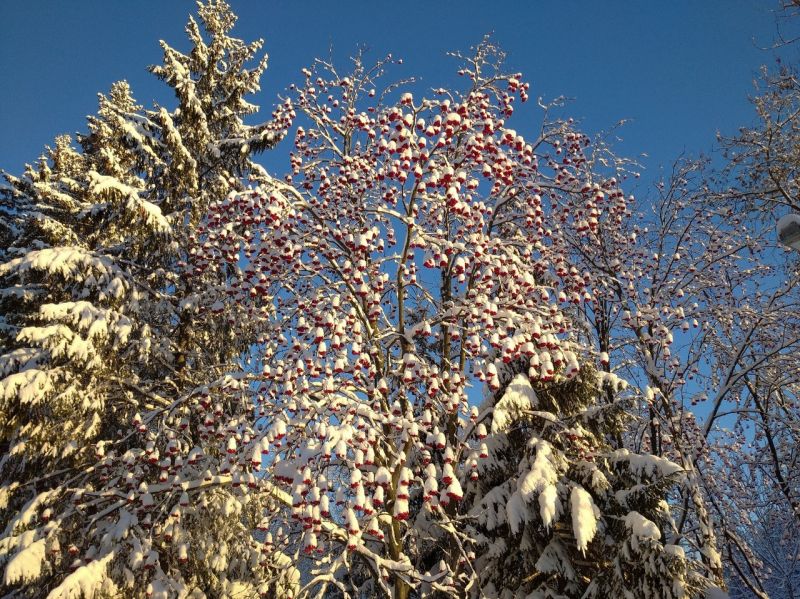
401	589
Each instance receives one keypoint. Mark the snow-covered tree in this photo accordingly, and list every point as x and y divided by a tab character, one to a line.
111	476
371	377
760	186
693	307
574	517
411	258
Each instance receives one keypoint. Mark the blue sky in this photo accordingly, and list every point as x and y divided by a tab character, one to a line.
679	70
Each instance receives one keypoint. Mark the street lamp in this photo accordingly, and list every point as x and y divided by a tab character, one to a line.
789	231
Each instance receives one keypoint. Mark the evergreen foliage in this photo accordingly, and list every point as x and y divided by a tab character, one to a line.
107	344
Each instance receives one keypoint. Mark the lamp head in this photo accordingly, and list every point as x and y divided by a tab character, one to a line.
789	231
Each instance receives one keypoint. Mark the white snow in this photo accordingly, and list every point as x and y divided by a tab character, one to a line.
519	397
71	263
29	386
26	565
492	513
138	207
675	551
29	511
646	465
584	517
641	529
516	512
86	581
19	359
555	559
615	382
96	321
541	475
549	506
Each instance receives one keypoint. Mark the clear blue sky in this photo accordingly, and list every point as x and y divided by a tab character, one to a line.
680	70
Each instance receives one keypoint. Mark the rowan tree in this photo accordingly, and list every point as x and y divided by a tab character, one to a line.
411	255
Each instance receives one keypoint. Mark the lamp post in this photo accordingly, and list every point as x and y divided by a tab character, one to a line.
789	231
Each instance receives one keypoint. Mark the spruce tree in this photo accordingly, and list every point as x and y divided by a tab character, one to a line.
109	347
557	511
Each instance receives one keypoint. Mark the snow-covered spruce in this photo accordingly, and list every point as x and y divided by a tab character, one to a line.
116	410
557	512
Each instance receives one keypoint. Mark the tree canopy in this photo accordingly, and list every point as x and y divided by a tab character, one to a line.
437	357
